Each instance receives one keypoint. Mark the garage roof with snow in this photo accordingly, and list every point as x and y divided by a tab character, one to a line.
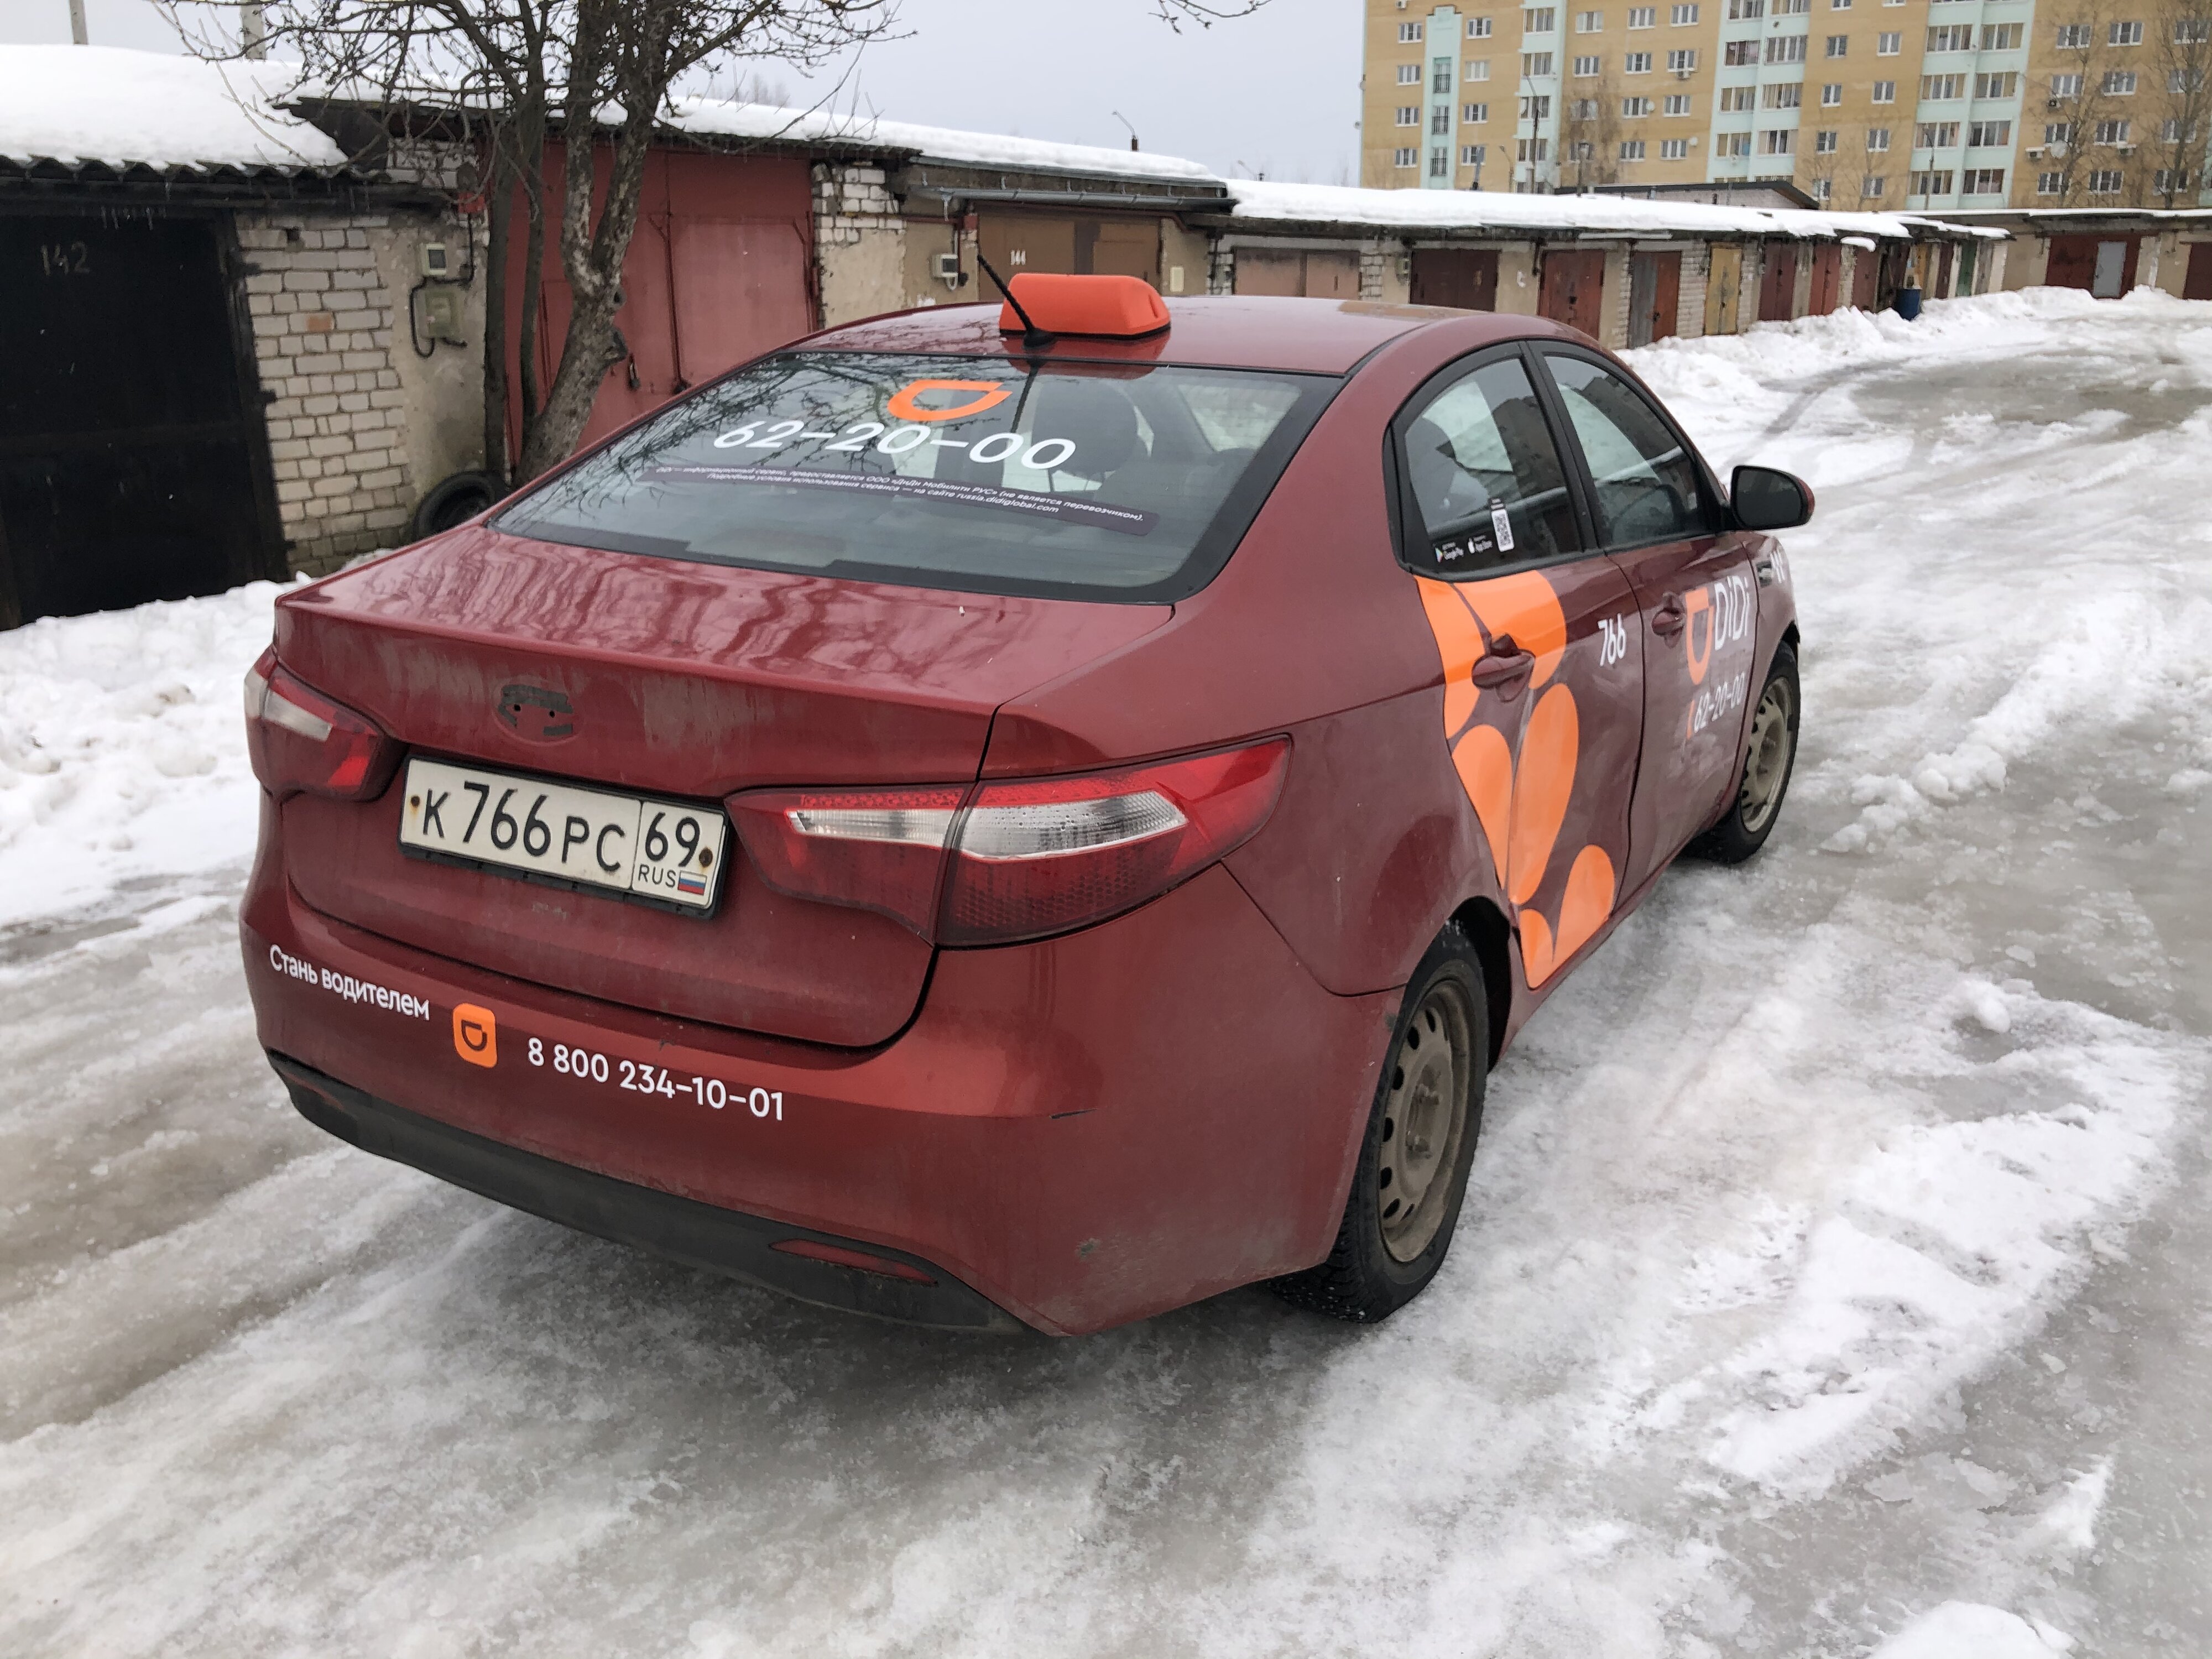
106	106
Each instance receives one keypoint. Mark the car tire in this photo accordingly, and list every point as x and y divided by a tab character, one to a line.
1769	756
1413	1160
454	501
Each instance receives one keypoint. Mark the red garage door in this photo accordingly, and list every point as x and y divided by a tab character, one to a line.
2197	285
1572	288
1777	288
719	272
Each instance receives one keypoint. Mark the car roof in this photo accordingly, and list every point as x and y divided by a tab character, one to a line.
1244	330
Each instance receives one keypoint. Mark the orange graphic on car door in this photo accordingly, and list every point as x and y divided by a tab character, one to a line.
1515	730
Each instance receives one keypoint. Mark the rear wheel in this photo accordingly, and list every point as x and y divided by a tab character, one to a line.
1412	1178
1768	760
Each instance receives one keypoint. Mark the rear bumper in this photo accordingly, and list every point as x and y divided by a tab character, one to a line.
1080	1131
750	1248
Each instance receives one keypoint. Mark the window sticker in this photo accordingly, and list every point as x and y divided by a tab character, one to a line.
1502	524
1068	509
905	402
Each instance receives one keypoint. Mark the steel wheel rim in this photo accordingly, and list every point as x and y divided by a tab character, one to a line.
1423	1121
1766	767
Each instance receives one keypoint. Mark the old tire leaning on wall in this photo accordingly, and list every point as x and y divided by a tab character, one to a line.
454	501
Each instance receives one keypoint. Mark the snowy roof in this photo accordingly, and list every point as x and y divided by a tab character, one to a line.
104	104
1265	201
712	117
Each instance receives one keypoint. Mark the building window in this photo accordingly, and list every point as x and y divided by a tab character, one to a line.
1644	18
2120	83
1736	144
2123	35
2073	36
1535	63
1785	49
2170	133
2050	184
1888	45
1936	182
1737	52
2170	182
1409	74
1440	164
1477	69
1536	109
1636	63
1941	88
1475	115
2107	181
1676	103
1877	139
2001	37
1785	95
1440	76
1792	8
1539	20
2065	85
1870	189
2006	85
1824	143
1409	115
1832	94
2112	132
1474	156
1952	37
1840	45
1408	34
1988	134
1584	66
1882	92
1741	10
1589	23
1405	157
1478	29
1535	150
2058	132
2184	80
1985	181
1673	150
2192	31
1777	140
1440	121
1583	109
1630	108
1631	150
1736	98
1839	5
1682	17
1682	60
1935	135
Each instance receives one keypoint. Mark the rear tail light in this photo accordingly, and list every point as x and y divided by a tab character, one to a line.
1001	861
299	740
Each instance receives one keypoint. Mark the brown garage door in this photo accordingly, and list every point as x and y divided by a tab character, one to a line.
1828	280
1572	287
1068	246
1466	277
2197	285
1655	297
1312	273
1777	288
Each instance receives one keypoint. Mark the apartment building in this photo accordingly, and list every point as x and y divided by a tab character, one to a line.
1877	104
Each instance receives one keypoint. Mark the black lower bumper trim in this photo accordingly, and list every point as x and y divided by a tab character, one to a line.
721	1241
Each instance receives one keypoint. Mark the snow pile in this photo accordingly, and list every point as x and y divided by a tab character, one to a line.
104	104
1967	1629
123	755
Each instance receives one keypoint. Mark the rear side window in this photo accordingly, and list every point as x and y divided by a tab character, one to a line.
1644	480
1129	482
1485	477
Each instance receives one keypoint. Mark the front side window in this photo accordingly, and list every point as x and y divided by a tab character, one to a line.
1120	481
1485	477
1645	480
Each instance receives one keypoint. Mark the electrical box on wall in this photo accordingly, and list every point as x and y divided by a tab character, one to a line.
441	314
948	271
437	261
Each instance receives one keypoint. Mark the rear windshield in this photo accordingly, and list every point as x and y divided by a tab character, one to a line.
1098	481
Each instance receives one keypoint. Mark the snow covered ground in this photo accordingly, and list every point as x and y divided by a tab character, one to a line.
1831	1280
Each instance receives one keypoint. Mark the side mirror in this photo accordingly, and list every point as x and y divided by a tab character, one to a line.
1767	498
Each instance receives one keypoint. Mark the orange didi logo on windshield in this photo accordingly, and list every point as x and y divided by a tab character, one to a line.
475	1035
906	403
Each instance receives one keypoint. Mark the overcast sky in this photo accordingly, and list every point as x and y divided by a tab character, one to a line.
1277	93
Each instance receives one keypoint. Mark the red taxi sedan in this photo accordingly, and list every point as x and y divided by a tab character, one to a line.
979	824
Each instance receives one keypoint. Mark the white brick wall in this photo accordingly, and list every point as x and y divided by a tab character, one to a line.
322	335
1690	313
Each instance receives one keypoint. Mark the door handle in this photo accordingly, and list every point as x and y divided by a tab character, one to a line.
1670	617
1503	669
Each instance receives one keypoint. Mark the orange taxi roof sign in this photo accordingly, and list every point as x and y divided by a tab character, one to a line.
1122	308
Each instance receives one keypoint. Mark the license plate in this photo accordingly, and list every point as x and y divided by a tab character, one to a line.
660	849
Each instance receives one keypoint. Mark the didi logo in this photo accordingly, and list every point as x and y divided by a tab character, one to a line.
475	1035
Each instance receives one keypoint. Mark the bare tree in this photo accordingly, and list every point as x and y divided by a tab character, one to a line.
1590	138
2182	55
2078	99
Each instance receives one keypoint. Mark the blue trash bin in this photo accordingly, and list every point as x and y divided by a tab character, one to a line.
1907	303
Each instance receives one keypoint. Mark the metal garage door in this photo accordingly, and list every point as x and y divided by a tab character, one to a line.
1067	246
127	458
